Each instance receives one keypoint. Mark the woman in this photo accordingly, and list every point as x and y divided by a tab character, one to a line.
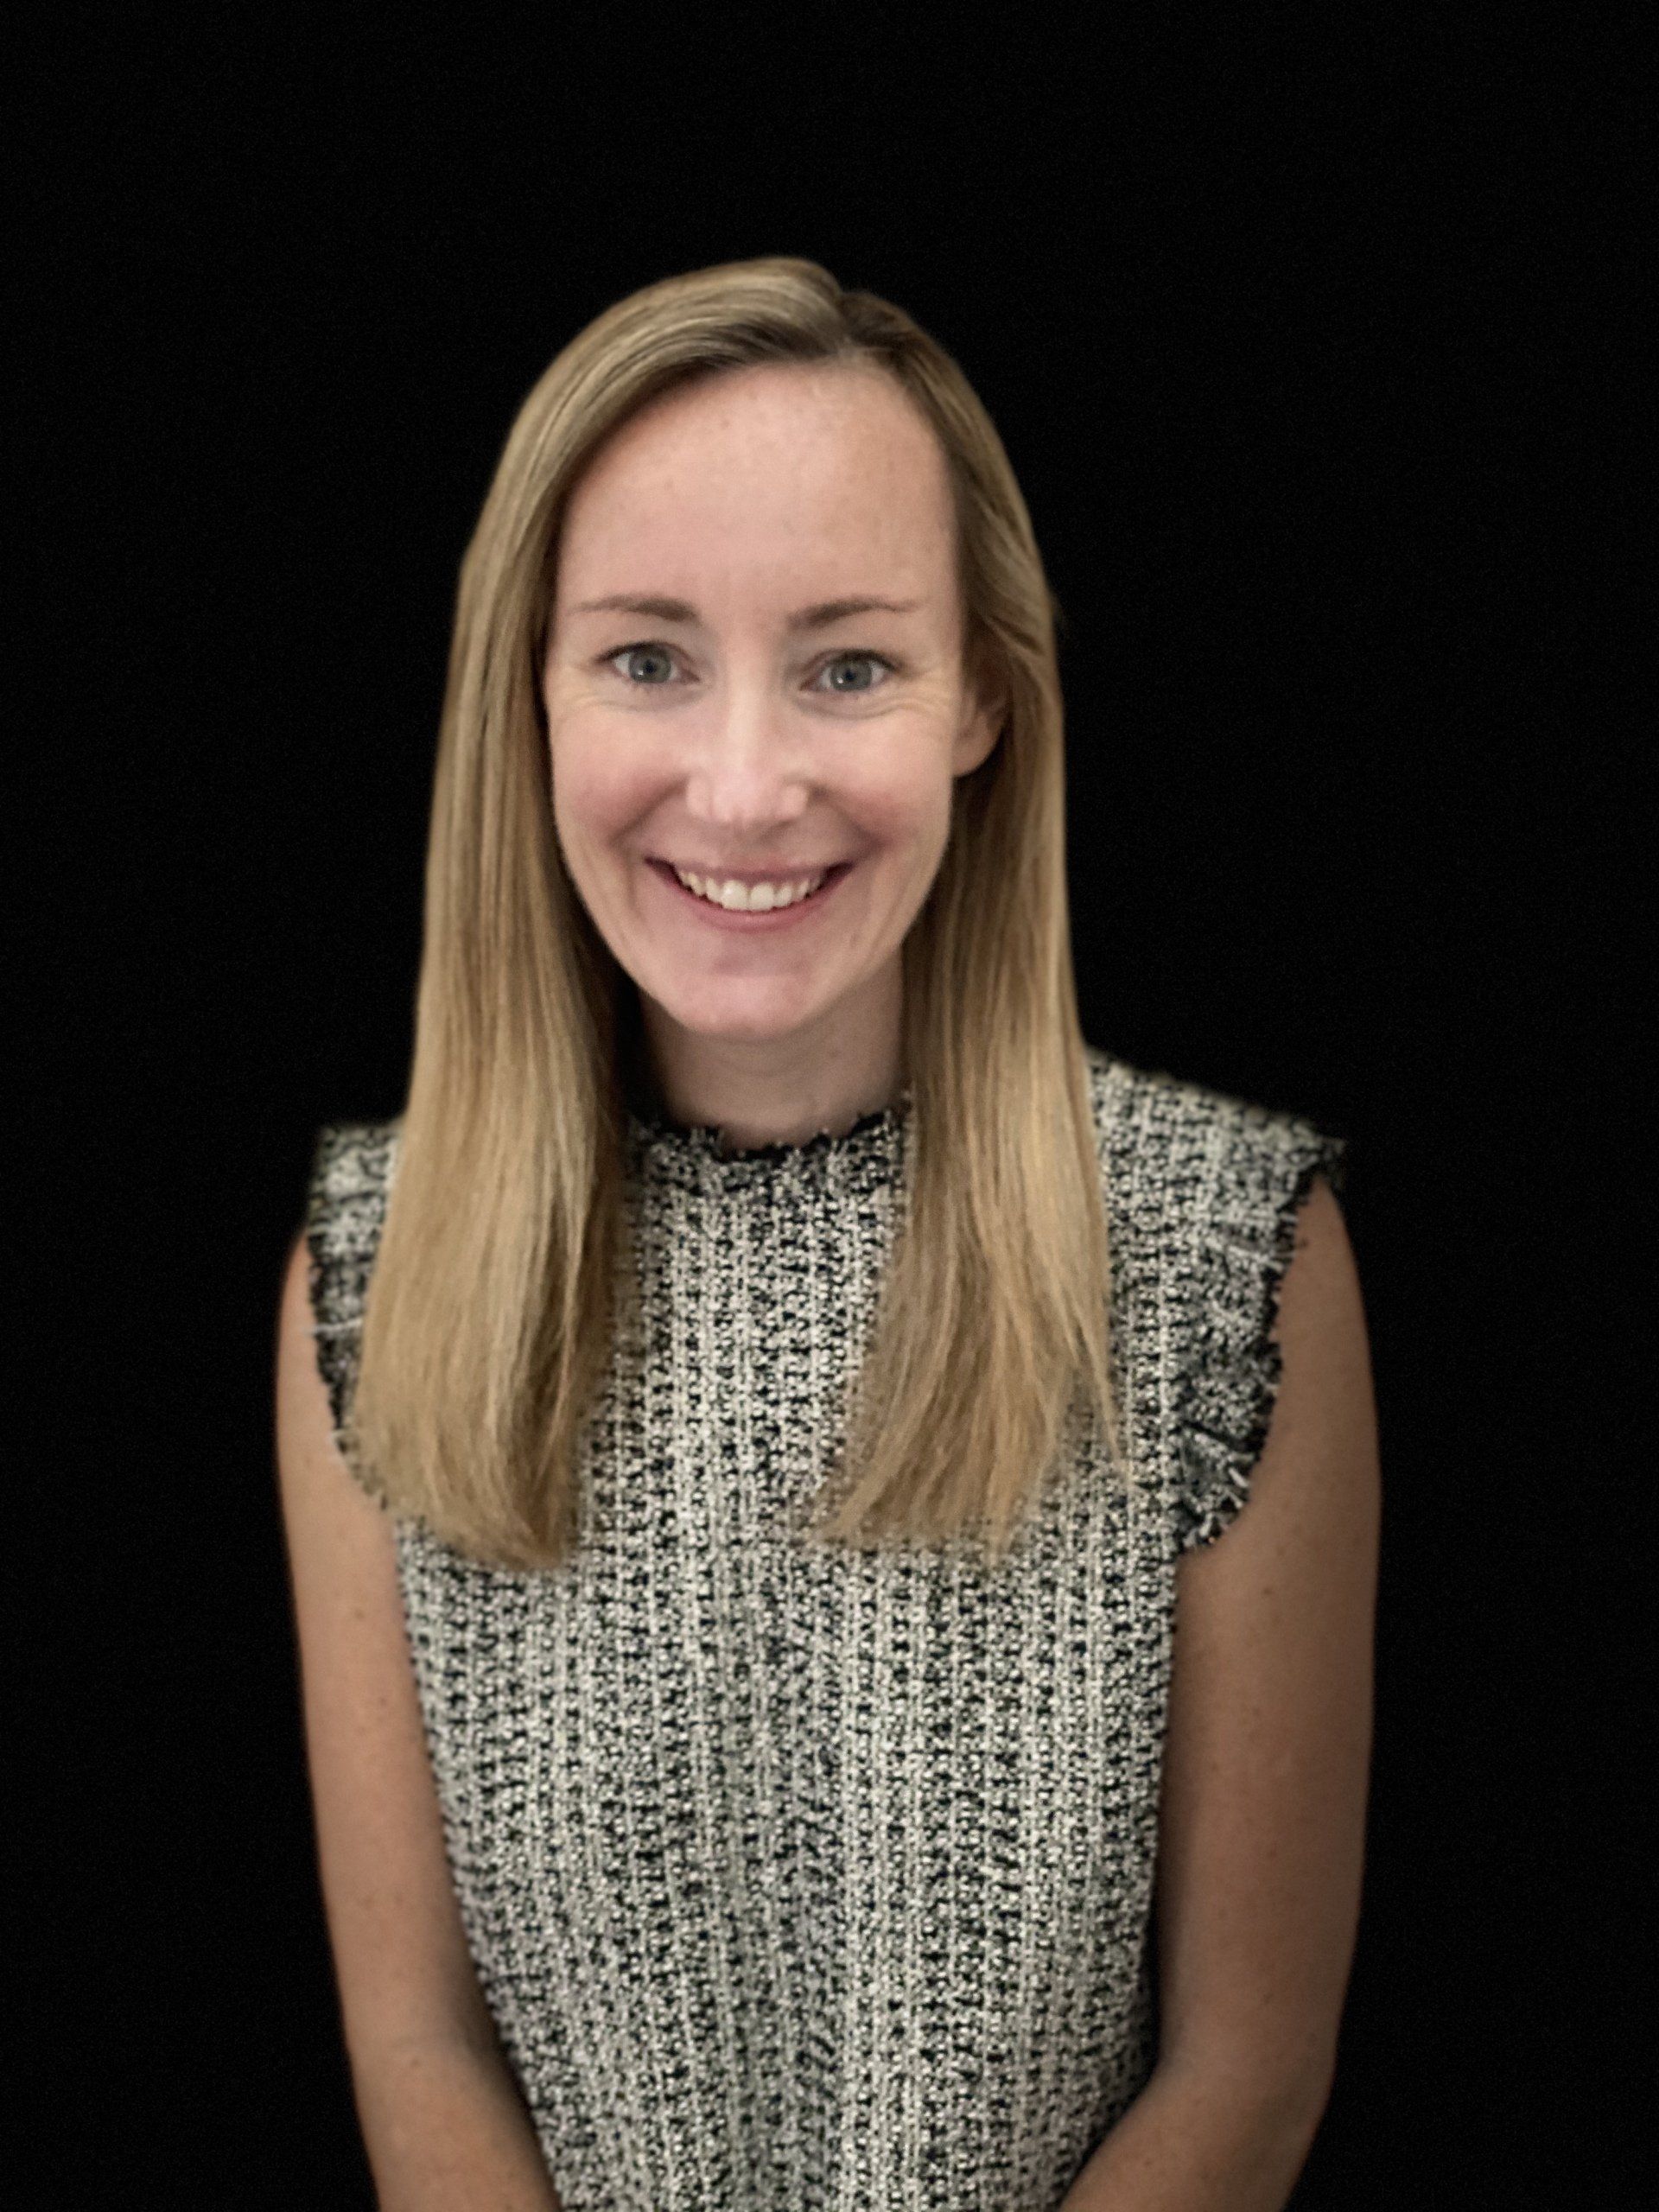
754	1430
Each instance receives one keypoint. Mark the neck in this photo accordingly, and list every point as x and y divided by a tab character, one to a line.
761	1091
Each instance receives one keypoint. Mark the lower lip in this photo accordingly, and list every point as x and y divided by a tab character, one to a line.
778	918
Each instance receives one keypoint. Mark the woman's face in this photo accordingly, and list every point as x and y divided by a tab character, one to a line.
750	729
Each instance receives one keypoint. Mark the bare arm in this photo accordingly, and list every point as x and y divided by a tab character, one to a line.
447	2130
1262	1824
1188	2144
444	2124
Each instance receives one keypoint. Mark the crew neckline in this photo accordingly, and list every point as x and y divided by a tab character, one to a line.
692	1155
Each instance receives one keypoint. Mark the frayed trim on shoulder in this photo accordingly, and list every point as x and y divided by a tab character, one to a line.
1231	1375
345	1209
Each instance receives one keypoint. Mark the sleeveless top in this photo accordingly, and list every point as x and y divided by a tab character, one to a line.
824	1879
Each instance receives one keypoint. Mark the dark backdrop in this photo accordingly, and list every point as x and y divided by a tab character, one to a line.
1303	339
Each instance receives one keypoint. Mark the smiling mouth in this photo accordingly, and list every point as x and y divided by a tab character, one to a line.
753	916
749	876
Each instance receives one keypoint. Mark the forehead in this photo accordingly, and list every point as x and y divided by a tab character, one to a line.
782	463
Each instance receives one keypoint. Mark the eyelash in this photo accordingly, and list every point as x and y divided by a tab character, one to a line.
656	645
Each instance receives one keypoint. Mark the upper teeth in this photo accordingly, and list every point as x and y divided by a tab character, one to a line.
749	897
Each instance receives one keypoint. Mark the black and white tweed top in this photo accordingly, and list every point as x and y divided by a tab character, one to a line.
799	1880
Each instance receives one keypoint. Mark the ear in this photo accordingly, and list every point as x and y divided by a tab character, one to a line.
986	713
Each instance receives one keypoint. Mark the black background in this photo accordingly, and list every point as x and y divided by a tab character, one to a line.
1309	339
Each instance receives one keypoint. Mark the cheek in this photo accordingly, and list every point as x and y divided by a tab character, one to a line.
598	791
906	813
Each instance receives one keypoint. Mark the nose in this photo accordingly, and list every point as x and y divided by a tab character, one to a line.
746	772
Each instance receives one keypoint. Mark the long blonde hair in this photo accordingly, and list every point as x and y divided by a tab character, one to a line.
486	1327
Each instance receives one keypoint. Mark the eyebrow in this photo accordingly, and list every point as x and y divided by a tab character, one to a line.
818	617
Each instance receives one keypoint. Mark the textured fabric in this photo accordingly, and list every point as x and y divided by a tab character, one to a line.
816	1879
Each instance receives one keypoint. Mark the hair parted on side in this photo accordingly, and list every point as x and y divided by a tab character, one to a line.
487	1325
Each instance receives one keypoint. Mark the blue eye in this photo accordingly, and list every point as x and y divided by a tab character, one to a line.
625	653
876	660
629	651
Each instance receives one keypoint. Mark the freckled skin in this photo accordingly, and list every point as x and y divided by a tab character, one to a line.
732	738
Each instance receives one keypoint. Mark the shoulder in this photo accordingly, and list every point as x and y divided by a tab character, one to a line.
1185	1151
351	1158
1236	1267
352	1163
351	1168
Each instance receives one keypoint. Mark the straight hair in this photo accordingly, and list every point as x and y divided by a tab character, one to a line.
486	1328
